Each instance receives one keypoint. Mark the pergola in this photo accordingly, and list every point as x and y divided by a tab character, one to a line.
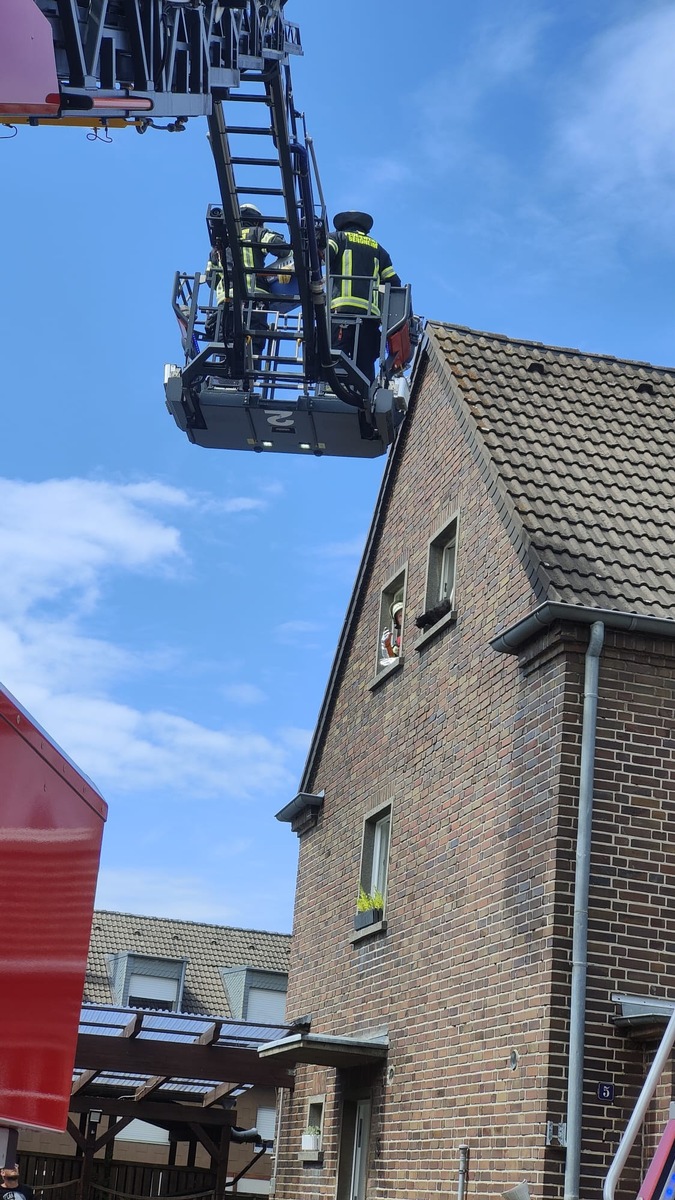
177	1071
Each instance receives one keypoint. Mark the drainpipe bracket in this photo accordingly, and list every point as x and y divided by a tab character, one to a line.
556	1133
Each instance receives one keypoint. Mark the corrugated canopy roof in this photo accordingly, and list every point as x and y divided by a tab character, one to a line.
162	1053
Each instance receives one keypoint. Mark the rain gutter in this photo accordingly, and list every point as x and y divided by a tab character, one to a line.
510	640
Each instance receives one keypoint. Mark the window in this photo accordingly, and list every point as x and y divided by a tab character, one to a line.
256	995
315	1114
266	1006
152	991
390	628
375	856
265	1122
146	981
439	599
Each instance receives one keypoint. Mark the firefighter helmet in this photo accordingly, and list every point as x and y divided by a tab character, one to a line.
251	211
362	221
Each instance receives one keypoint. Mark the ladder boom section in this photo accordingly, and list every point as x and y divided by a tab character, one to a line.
137	60
260	370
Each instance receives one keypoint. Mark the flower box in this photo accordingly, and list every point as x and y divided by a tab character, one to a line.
371	916
311	1142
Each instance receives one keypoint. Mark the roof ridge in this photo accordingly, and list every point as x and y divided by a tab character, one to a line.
111	912
519	341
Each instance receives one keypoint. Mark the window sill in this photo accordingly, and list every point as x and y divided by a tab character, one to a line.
448	619
369	931
311	1158
385	672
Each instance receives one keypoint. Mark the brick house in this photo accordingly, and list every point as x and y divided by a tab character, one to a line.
524	539
158	963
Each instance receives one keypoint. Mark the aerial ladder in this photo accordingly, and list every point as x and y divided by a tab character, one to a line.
260	372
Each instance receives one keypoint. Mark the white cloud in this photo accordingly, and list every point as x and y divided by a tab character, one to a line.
57	537
616	132
244	693
449	104
124	748
296	631
296	739
243	504
60	542
351	548
163	894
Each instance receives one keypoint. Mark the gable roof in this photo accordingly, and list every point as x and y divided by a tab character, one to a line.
577	449
207	948
581	446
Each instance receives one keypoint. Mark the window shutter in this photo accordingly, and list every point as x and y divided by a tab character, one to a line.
266	1006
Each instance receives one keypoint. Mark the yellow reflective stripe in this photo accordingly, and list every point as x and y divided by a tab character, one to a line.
388	272
353	302
248	259
347	290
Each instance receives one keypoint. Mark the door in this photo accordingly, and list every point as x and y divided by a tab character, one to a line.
357	1190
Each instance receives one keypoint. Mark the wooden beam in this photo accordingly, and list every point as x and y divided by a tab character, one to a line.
85	1078
134	1026
142	1056
150	1086
79	1138
218	1092
207	1143
111	1133
149	1110
210	1034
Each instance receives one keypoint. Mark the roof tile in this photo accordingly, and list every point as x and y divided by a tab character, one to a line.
585	459
206	947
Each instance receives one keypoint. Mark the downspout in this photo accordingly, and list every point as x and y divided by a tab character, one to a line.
575	1080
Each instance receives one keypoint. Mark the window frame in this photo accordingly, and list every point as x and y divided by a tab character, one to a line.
372	821
395	585
446	535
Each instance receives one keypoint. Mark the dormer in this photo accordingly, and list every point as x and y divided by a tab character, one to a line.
256	995
146	981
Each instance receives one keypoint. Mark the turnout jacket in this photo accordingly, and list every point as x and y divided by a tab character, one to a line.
358	264
260	243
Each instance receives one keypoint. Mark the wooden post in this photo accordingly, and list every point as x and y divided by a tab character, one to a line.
87	1161
221	1163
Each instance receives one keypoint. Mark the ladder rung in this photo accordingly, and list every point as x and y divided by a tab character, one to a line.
239	99
258	191
277	361
255	129
255	162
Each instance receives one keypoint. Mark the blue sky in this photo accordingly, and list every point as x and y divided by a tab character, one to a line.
170	613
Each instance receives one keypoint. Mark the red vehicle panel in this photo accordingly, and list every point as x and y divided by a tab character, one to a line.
29	83
51	825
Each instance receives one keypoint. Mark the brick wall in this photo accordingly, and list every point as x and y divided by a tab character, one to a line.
478	754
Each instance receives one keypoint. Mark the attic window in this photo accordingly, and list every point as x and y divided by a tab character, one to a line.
255	995
439	600
647	389
390	627
146	981
536	368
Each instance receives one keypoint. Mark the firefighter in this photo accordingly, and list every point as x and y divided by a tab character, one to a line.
260	242
358	265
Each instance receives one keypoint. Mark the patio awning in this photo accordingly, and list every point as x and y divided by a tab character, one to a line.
325	1050
171	1056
